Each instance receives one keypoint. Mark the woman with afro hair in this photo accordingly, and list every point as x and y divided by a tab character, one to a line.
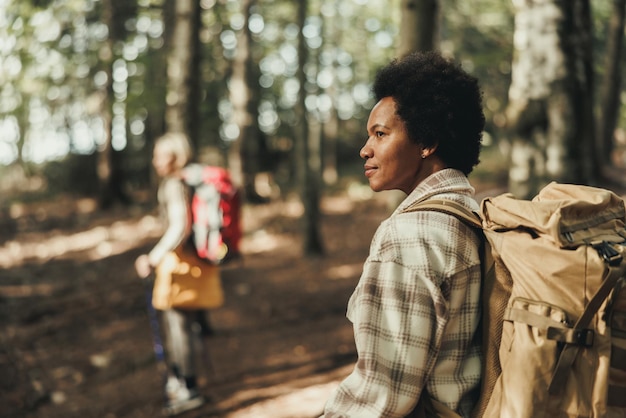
415	310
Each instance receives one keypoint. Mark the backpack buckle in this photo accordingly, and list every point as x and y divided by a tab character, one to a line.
583	337
580	337
608	253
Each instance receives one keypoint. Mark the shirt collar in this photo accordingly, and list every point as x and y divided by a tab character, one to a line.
448	180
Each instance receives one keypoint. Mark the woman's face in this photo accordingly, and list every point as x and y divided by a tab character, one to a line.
163	161
392	160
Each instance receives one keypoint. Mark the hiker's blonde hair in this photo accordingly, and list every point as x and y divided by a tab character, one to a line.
178	145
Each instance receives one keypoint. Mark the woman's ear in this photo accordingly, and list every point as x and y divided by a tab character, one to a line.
427	152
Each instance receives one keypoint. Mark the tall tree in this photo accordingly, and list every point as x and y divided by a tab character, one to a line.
114	14
105	161
332	32
611	86
153	101
183	60
549	116
244	95
419	26
307	177
581	62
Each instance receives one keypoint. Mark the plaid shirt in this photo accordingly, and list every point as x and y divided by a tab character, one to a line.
415	311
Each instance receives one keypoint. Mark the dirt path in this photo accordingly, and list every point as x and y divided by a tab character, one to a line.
76	339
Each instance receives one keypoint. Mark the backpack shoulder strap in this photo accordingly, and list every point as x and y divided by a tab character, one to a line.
488	276
450	207
471	219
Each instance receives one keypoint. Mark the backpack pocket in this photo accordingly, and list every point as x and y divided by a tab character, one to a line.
528	354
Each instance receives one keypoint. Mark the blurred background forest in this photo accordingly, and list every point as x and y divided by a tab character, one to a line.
278	92
87	85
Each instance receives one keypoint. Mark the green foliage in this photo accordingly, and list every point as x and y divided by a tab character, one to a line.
52	70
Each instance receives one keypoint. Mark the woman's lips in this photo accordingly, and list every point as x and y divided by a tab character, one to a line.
369	170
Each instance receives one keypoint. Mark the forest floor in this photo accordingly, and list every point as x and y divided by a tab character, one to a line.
76	337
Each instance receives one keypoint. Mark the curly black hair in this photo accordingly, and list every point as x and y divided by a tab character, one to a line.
439	103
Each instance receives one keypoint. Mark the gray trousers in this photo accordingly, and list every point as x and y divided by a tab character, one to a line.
180	341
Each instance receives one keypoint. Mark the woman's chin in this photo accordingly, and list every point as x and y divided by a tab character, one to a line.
375	187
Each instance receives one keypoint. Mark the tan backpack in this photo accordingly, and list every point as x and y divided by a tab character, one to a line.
554	320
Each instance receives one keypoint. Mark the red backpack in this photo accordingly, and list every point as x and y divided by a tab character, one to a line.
215	212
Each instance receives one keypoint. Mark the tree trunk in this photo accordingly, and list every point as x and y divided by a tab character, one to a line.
549	116
419	26
105	152
156	75
332	35
611	86
330	133
22	114
109	161
307	178
244	95
582	48
182	97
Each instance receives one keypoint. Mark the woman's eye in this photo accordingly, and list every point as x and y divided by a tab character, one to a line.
379	133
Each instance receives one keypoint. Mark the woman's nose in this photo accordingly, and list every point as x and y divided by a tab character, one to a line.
365	152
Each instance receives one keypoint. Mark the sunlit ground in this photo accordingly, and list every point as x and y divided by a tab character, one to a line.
290	397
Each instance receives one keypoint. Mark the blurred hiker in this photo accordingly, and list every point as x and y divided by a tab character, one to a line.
415	310
175	264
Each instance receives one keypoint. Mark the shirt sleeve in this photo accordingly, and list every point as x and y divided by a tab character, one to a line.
399	315
177	214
